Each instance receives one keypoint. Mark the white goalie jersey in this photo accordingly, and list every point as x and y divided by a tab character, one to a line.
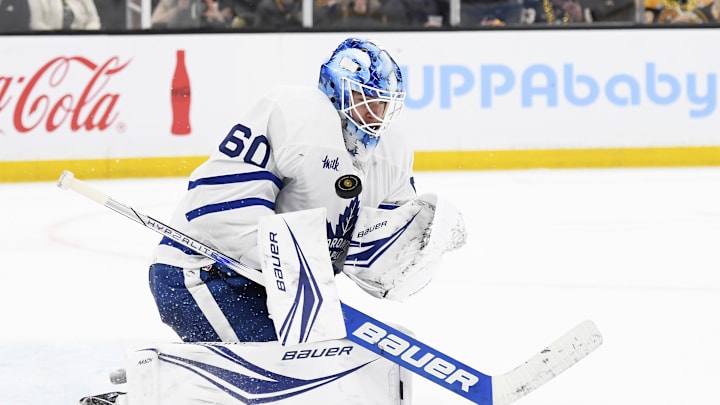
271	162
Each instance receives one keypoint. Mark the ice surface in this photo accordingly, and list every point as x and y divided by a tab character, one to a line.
636	251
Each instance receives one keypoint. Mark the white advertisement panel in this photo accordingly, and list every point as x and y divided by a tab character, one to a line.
106	97
565	89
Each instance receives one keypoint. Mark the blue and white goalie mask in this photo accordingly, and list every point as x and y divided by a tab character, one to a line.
366	87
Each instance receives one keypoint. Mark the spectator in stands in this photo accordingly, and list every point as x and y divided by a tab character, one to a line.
243	13
559	12
234	14
14	16
63	15
184	14
349	14
493	13
612	10
218	14
112	14
413	13
681	11
177	14
278	14
476	13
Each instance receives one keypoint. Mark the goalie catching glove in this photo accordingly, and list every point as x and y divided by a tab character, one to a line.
394	253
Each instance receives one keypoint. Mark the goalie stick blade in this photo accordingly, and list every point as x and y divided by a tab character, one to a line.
453	375
417	357
544	366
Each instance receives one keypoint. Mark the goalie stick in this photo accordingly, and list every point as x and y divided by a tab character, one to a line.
393	344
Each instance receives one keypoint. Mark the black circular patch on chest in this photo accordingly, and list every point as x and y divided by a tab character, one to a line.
348	186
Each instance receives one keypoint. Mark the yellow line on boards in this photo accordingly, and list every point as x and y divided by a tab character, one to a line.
567	158
100	168
24	171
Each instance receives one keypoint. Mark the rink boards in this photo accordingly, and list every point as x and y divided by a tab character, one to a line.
100	105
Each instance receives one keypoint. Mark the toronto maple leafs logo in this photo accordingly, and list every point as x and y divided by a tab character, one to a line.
339	235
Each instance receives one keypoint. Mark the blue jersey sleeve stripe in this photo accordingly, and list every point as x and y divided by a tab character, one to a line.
228	205
387	206
236	178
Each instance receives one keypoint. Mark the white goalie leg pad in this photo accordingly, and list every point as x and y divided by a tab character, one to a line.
393	254
336	372
302	298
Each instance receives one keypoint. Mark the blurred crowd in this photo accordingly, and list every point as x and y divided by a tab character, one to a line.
19	16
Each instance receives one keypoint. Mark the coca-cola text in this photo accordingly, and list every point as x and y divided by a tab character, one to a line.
89	109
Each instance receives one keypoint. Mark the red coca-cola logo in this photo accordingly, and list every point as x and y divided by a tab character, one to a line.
70	91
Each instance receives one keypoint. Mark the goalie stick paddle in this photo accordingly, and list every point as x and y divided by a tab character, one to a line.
393	344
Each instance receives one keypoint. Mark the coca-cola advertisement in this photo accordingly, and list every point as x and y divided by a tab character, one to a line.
89	101
66	93
117	98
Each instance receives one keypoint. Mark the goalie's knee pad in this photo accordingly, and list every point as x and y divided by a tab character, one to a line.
328	373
